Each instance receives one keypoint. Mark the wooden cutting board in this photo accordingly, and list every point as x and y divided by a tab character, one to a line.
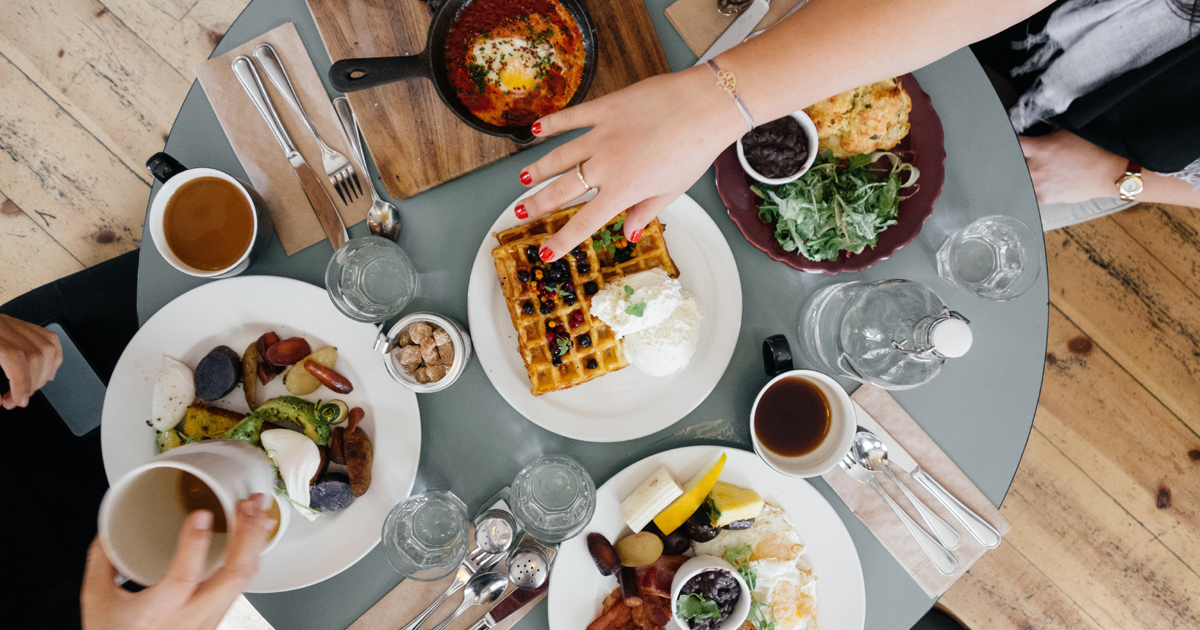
416	141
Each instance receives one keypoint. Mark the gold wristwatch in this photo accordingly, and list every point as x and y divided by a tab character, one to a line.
1130	185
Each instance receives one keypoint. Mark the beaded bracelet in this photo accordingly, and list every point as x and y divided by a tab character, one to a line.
727	82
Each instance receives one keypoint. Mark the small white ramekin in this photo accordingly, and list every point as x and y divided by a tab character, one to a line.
810	131
702	564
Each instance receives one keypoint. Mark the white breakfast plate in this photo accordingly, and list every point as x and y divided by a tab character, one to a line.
577	590
625	404
234	313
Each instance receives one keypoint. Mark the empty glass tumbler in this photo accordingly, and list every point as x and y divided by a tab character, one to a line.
370	279
425	536
995	257
553	498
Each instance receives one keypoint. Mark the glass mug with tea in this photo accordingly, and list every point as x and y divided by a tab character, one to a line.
204	222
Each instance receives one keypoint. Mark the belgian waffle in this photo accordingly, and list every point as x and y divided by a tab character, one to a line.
550	302
616	261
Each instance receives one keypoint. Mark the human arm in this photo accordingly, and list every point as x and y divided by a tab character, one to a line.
181	601
1068	169
29	357
651	141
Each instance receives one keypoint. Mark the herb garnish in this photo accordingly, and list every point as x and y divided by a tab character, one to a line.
739	557
694	607
759	619
835	206
564	345
607	237
637	310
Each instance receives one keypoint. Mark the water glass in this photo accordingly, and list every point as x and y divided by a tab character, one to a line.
425	537
553	498
995	258
370	279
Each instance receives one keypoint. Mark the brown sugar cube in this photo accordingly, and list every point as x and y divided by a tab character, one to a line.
422	375
429	354
410	358
447	352
436	372
419	332
404	339
441	337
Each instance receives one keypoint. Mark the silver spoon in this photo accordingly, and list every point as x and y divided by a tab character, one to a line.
873	454
383	219
481	590
939	556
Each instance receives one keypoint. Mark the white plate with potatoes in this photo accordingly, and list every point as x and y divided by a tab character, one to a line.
235	313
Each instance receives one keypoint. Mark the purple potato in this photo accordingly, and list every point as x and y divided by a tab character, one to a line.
217	373
331	493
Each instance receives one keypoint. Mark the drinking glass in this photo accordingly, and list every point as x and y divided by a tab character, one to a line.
425	537
553	498
995	258
370	279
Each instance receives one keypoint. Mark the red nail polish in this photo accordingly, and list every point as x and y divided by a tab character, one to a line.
537	128
545	254
526	178
636	236
521	212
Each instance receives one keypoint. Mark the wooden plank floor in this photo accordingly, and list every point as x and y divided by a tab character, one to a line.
1105	502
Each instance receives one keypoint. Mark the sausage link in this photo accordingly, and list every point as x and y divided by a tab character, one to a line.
328	377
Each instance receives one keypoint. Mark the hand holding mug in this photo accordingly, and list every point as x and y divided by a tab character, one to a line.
183	599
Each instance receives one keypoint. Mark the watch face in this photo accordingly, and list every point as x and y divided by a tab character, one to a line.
1131	186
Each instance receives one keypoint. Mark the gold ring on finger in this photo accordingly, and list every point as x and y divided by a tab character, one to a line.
579	174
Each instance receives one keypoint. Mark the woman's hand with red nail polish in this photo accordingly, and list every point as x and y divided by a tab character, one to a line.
648	143
526	178
521	212
536	128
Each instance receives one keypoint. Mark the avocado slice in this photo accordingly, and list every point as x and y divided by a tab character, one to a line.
298	411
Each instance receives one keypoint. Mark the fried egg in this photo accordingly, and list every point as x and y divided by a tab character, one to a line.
784	578
174	390
513	63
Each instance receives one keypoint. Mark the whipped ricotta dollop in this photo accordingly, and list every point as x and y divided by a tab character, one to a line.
658	320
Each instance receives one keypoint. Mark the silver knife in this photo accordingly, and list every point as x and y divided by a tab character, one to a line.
322	204
979	528
738	30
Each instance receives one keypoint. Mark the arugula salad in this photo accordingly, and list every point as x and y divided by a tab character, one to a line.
837	205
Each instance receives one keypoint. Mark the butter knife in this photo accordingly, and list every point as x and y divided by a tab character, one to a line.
738	30
979	528
322	204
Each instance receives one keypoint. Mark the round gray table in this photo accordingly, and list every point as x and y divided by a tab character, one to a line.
979	409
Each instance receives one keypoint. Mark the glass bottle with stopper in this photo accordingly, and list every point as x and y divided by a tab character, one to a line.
893	334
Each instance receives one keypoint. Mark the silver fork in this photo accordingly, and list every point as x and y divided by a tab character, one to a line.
476	562
338	169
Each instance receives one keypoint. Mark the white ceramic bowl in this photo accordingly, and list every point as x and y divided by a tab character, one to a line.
462	352
810	131
701	564
842	426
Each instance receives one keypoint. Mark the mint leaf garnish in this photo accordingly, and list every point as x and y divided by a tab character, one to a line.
628	291
637	310
694	607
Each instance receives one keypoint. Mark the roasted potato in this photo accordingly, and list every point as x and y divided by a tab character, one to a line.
358	460
250	375
298	380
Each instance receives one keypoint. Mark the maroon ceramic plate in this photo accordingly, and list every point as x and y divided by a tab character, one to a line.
923	145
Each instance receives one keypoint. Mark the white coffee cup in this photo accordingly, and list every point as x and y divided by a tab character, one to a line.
174	175
142	513
842	427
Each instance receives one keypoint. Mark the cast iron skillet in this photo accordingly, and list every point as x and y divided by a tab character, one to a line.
351	75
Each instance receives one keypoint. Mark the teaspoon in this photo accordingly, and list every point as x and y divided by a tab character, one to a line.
482	589
873	453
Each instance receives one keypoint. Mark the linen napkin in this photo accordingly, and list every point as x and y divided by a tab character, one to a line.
880	519
410	597
700	23
262	158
